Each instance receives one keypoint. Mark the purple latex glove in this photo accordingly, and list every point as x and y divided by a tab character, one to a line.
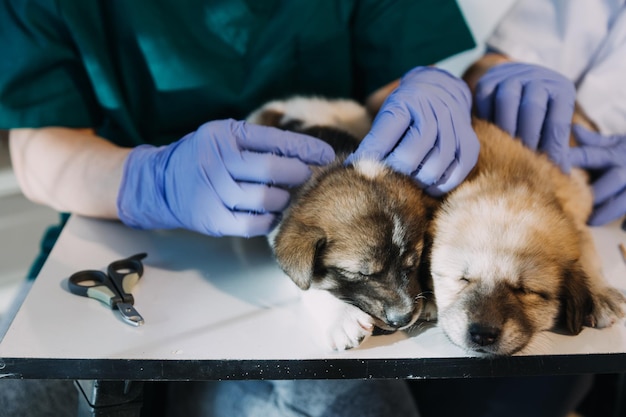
606	154
226	178
424	129
532	103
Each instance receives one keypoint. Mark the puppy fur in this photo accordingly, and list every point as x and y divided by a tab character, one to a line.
512	255
353	235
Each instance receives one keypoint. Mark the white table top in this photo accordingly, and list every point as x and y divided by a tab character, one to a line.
224	303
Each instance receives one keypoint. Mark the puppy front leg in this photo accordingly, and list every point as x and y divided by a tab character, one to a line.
608	302
338	325
429	312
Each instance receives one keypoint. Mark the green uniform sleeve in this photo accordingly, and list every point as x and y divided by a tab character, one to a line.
40	69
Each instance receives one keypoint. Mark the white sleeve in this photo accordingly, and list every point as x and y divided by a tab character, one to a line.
602	89
584	39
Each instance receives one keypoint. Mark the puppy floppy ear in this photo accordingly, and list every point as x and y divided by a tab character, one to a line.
296	248
576	302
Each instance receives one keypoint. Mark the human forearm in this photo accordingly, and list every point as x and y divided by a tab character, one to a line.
70	170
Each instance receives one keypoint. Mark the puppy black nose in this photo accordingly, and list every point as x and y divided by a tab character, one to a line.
483	335
397	319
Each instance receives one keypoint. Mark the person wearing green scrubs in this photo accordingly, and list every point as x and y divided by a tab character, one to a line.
136	73
132	110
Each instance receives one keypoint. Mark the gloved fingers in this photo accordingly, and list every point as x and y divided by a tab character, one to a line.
485	99
611	183
532	113
445	83
523	119
610	210
468	149
597	150
556	131
443	151
389	126
460	93
263	168
266	139
488	86
585	137
444	185
591	157
408	157
508	97
241	183
256	198
589	138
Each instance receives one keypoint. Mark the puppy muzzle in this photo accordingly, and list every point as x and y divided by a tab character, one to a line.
397	319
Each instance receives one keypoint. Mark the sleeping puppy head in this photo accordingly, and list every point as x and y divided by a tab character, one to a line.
505	261
358	232
500	283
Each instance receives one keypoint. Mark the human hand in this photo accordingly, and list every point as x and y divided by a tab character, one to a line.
608	155
424	129
226	178
532	103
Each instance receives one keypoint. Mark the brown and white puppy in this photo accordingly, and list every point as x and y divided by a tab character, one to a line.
353	235
512	254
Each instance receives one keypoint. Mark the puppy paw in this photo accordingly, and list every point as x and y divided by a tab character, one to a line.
351	328
338	325
429	312
608	307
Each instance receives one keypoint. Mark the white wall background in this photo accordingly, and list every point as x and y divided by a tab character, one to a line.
482	17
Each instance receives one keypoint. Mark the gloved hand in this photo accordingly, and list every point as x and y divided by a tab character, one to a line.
226	178
608	155
532	103
424	129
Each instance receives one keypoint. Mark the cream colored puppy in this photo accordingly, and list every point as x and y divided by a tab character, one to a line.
512	255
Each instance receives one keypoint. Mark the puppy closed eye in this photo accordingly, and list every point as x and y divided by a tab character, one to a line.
526	291
352	275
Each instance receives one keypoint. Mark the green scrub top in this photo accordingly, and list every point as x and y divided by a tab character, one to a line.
151	71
